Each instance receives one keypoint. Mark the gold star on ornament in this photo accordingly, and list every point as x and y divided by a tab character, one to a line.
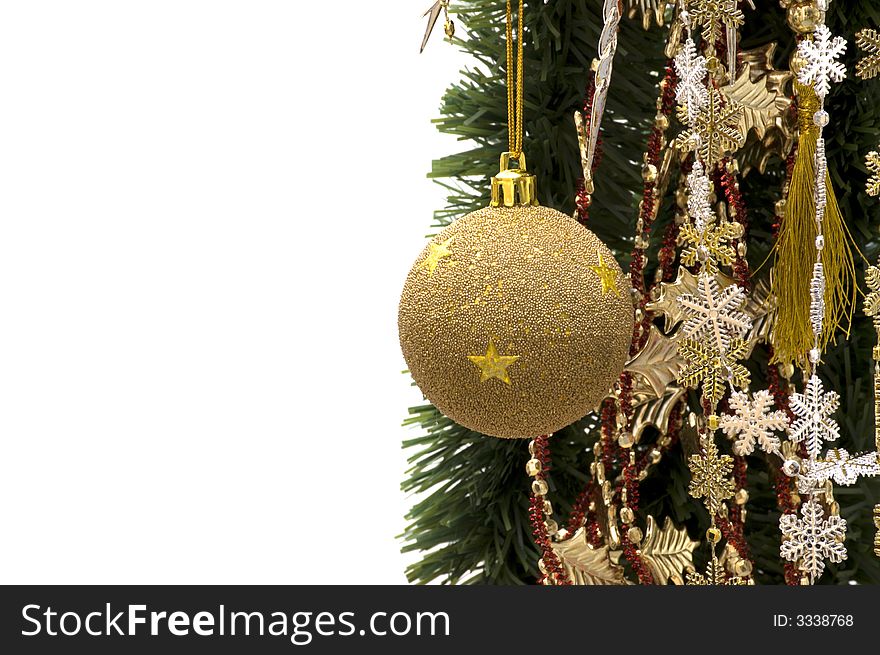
436	252
493	364
608	277
716	129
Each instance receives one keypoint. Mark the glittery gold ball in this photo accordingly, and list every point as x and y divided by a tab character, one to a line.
515	322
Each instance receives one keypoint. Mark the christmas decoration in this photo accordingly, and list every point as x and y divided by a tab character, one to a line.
514	321
495	337
813	539
695	224
433	14
872	161
754	422
868	40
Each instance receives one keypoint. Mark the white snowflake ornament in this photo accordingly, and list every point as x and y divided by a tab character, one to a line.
714	314
691	93
840	466
699	192
812	539
753	423
813	409
821	67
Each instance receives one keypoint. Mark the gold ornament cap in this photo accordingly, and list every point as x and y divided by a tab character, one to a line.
514	187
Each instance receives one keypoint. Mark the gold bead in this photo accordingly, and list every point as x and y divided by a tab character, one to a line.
649	173
552	527
713	64
796	62
607	492
635	534
742	249
661	121
713	535
643	474
742	568
876	353
600	473
449	28
539	488
626	440
795	499
548	508
532	444
542	567
714	421
805	17
626	515
786	370
533	467
779	208
742	497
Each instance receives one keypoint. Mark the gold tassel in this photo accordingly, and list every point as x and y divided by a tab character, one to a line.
792	336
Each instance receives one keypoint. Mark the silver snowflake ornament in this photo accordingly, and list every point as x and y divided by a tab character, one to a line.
821	67
691	93
812	539
714	314
813	409
754	423
841	467
699	189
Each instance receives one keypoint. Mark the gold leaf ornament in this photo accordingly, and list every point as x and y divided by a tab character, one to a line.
587	565
761	106
669	551
658	362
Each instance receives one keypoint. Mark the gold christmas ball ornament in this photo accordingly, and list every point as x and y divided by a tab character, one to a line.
515	320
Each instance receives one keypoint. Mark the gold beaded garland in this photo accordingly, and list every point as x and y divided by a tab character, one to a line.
515	321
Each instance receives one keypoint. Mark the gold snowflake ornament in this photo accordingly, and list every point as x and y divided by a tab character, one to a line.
711	246
712	14
868	40
715	132
711	479
709	366
872	161
715	576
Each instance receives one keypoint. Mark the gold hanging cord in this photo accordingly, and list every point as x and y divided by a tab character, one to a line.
515	87
514	186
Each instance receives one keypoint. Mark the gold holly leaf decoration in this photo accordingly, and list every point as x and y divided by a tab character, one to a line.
587	565
780	124
658	362
654	412
761	106
669	551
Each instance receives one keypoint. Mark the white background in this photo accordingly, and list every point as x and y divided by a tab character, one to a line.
208	209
